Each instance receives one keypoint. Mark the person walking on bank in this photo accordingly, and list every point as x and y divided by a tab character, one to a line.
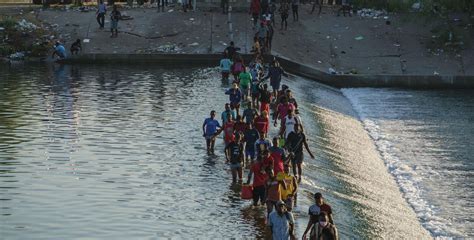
101	11
284	12
320	4
255	11
281	223
295	142
294	8
114	19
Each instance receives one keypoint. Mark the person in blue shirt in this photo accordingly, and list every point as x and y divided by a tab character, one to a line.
101	11
59	51
225	65
209	129
251	135
227	111
235	96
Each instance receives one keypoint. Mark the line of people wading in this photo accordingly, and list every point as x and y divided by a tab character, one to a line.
245	124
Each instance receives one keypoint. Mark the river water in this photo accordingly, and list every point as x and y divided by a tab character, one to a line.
117	152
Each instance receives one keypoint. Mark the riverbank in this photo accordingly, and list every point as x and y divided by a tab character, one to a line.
404	44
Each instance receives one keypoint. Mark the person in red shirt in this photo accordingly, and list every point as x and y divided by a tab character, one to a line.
283	109
259	180
265	98
314	212
278	155
255	11
228	129
261	122
268	161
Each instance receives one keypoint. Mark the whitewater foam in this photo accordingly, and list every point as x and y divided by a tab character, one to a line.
406	177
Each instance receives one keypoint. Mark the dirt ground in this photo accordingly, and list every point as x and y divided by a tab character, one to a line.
346	44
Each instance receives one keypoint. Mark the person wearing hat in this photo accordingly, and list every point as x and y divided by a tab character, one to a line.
281	222
314	211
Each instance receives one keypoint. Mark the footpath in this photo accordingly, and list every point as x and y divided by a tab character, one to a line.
366	47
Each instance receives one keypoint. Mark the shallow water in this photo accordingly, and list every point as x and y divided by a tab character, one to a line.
117	152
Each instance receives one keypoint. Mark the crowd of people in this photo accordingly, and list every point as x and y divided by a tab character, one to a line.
274	164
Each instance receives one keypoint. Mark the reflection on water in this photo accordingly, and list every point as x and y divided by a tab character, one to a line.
118	151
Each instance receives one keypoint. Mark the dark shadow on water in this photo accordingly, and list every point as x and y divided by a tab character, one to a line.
256	216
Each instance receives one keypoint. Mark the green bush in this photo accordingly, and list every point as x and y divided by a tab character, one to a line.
6	50
8	23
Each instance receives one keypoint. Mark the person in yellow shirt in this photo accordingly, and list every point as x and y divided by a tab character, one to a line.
288	194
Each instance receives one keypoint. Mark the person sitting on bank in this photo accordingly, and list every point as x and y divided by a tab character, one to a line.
76	47
59	51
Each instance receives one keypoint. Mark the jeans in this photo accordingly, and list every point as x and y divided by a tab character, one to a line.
101	19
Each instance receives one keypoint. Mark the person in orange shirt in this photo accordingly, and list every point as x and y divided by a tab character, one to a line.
273	190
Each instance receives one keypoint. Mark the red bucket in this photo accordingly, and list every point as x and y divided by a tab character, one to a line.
247	192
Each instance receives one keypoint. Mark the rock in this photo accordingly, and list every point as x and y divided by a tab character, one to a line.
371	13
24	25
17	56
416	6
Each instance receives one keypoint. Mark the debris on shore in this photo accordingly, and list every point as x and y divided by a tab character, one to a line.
22	37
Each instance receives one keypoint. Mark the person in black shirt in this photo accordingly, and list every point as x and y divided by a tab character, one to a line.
294	145
231	51
251	135
234	153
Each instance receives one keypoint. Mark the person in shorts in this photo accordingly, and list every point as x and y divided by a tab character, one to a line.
225	65
235	96
209	128
234	153
257	170
250	137
294	144
114	19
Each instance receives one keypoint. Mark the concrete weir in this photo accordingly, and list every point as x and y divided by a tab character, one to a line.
294	67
